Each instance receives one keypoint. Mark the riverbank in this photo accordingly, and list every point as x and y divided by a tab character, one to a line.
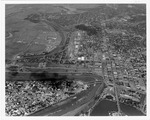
105	106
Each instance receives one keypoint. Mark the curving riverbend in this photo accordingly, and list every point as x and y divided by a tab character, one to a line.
104	107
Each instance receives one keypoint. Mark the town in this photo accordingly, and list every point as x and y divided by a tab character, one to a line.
96	44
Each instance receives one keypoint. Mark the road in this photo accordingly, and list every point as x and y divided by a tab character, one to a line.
71	105
60	30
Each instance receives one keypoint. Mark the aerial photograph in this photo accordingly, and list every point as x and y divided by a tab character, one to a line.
75	60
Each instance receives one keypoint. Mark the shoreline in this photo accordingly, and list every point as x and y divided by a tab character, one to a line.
101	99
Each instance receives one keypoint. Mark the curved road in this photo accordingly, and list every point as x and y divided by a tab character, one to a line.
60	46
74	104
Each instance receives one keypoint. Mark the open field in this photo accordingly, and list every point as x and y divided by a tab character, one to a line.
23	36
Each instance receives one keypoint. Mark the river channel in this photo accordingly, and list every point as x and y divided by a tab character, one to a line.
104	107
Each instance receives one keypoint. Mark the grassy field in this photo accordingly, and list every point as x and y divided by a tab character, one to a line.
13	48
35	48
26	36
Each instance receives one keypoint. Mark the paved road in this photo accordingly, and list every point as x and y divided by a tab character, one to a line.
74	102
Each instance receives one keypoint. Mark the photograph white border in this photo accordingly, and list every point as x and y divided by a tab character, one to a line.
2	57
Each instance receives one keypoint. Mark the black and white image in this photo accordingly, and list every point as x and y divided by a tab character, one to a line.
75	60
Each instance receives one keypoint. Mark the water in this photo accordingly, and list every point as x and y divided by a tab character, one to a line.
105	106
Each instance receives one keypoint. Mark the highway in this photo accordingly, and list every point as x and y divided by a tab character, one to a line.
74	104
71	105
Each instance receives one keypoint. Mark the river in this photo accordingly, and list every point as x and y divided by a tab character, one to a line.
105	106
